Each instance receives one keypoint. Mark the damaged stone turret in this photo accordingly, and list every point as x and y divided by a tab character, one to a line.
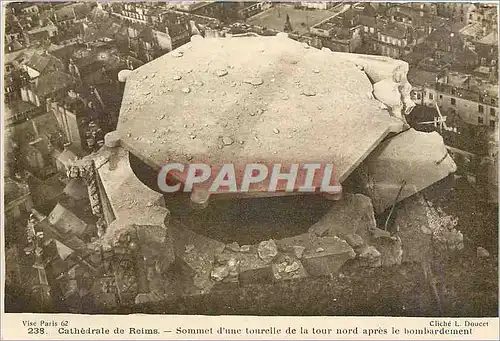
214	103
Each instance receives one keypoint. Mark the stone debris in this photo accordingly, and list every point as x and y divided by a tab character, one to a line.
426	162
293	267
177	77
189	248
233	275
221	72
245	248
355	240
177	54
370	256
234	246
482	252
253	81
308	93
351	215
390	249
276	131
315	70
198	83
219	273
281	267
227	141
329	261
450	239
186	90
161	117
299	251
320	249
267	250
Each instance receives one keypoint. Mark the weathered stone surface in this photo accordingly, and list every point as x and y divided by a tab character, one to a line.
354	214
390	249
267	250
482	252
370	256
422	226
245	248
449	240
419	158
355	240
219	273
200	261
292	267
376	67
336	253
389	77
299	251
234	246
286	268
352	123
252	269
112	139
414	231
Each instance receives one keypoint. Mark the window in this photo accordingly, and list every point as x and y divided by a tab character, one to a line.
453	101
480	120
418	95
480	108
494	101
492	123
372	30
440	96
366	28
492	112
431	96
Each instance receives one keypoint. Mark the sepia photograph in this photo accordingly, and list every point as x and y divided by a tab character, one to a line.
253	158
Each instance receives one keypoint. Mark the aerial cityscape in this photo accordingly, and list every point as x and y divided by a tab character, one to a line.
402	98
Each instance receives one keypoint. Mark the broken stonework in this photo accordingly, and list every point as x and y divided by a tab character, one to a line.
370	257
390	249
389	79
233	247
482	252
286	268
333	252
199	262
267	250
126	200
347	217
413	225
219	273
299	251
421	226
252	269
420	159
336	253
